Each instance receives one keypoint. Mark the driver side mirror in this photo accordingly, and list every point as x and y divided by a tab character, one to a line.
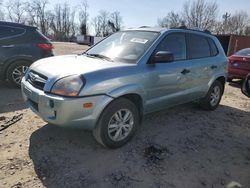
162	57
245	88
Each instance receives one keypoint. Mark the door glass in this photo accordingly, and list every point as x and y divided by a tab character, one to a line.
176	44
6	32
197	46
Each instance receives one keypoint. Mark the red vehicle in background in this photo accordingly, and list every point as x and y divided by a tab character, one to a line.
239	64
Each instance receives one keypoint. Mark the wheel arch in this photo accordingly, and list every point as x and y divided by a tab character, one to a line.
12	60
220	78
133	92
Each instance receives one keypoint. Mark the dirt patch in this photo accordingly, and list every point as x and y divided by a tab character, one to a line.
179	147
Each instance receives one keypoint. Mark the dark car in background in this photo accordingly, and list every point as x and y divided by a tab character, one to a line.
239	64
20	46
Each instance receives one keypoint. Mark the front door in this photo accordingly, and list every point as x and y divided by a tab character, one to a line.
168	82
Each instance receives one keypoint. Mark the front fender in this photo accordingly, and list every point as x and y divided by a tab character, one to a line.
128	89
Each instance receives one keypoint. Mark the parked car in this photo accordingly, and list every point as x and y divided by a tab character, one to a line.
20	46
245	88
112	85
239	64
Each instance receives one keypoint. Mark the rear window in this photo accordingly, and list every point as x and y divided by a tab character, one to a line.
41	35
7	32
243	52
197	46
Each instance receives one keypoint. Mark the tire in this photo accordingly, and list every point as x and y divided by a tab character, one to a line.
212	100
16	71
108	126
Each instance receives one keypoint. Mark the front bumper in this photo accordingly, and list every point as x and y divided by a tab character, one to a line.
64	111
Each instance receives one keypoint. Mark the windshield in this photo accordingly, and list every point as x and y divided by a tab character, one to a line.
125	46
243	52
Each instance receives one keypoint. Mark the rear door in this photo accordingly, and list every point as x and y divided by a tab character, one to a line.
9	39
201	55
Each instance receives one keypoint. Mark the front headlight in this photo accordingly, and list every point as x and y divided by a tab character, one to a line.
68	86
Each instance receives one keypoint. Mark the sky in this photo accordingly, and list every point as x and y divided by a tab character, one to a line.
136	13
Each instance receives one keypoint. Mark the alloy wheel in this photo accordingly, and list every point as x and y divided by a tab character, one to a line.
215	96
120	125
18	73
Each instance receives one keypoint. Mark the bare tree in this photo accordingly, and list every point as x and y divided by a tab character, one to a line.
62	23
101	25
238	22
16	10
1	10
247	30
171	20
233	24
39	15
200	14
83	17
105	23
115	21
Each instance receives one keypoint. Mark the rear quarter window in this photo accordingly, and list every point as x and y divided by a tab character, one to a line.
40	35
213	48
8	32
197	46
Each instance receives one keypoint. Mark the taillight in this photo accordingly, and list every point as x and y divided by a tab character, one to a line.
46	46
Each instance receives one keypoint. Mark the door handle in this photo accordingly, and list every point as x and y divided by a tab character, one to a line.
213	67
185	71
7	46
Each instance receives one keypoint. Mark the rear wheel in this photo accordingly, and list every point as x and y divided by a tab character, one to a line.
213	97
16	72
117	124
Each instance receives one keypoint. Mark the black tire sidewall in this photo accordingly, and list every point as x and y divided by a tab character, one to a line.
108	113
12	67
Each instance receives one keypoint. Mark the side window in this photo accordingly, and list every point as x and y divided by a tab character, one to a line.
197	46
213	47
6	32
176	44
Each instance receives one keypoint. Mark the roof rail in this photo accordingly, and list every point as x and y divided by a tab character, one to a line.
192	29
144	26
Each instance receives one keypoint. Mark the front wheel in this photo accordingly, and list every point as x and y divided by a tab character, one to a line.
16	71
117	124
212	100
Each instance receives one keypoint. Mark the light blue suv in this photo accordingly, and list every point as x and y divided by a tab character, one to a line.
112	85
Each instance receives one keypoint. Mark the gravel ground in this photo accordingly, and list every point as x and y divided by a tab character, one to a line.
182	147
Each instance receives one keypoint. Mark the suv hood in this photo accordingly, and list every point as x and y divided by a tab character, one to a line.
61	66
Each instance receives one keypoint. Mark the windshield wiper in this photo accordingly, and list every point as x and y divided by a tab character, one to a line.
99	56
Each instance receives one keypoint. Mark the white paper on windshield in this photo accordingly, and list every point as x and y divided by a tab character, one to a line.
138	40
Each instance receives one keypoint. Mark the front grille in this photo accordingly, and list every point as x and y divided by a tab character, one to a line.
37	80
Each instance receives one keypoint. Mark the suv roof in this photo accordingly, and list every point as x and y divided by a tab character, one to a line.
12	24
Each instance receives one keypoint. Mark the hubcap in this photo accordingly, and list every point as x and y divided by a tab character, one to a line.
18	73
120	125
215	96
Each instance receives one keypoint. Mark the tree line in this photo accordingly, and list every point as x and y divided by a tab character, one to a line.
204	15
62	22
